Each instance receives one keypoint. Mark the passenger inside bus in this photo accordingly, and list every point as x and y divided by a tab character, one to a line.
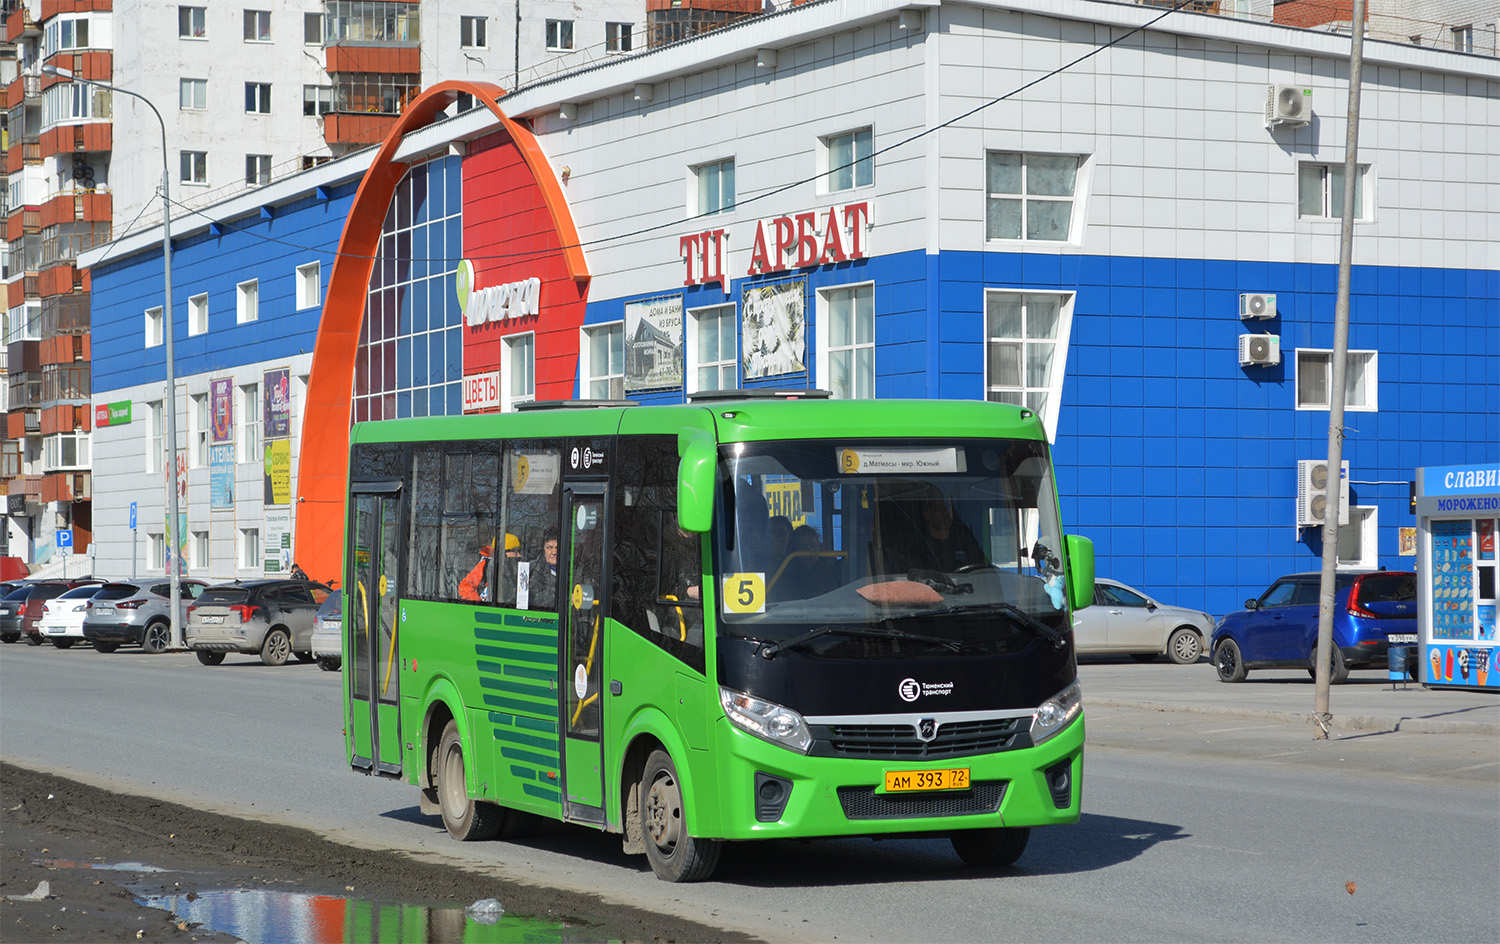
926	534
544	575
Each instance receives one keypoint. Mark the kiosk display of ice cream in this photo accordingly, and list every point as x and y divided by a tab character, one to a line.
1458	514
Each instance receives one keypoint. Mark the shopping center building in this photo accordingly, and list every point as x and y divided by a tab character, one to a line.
1125	218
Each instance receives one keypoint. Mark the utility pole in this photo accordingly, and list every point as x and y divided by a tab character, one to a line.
1321	714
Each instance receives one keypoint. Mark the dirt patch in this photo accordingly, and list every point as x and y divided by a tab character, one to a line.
48	818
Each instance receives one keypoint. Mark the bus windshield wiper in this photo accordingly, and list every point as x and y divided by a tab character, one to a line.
769	650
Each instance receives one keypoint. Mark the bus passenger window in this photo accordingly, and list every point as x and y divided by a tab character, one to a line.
529	509
423	575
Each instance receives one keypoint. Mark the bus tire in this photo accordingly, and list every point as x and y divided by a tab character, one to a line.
276	647
209	658
984	847
1228	662
466	820
105	645
674	854
157	638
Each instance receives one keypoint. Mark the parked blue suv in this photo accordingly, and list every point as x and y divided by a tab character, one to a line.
1371	612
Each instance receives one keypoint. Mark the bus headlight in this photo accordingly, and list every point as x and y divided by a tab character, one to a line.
766	720
1056	713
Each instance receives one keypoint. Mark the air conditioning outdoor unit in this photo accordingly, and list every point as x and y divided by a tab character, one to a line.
1288	105
1257	306
1314	492
1260	350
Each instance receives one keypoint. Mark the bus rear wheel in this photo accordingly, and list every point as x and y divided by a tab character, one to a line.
674	854
999	846
466	820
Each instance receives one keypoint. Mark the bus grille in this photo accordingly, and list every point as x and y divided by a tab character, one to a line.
864	803
900	741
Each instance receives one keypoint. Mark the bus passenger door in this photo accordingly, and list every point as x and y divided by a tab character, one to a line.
375	682
580	599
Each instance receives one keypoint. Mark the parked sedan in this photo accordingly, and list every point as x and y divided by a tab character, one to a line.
135	613
1125	621
62	616
271	617
1371	612
328	633
12	610
22	610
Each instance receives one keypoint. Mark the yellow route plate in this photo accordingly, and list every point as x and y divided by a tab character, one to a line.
900	781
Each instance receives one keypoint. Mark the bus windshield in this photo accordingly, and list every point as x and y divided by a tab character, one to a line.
952	541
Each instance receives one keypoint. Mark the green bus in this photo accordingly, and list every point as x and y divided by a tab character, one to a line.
758	615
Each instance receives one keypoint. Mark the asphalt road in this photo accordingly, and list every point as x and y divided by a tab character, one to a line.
1203	821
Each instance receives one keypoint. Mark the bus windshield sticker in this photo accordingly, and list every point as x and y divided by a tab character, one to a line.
899	460
745	593
536	474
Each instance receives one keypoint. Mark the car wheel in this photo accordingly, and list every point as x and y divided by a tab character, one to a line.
1184	646
1338	670
105	646
276	647
675	855
63	643
209	658
303	656
329	663
157	638
1227	661
9	638
32	639
466	820
982	847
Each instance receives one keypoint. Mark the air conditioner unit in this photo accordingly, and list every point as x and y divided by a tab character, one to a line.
1260	350
1288	105
1313	492
1257	306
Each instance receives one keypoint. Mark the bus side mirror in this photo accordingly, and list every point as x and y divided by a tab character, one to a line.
695	479
1080	570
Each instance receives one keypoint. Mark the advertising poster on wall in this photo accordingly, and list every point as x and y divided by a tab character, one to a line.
276	391
653	344
278	472
221	476
221	399
775	329
278	541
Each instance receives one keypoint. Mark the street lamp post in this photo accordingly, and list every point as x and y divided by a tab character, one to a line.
174	539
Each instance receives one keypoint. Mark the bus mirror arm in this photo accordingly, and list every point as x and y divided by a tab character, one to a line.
695	479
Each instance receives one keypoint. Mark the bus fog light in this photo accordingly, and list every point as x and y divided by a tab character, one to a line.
766	720
1056	713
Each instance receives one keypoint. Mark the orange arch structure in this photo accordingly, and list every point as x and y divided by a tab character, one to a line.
322	481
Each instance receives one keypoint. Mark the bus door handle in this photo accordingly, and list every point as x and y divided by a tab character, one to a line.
615	688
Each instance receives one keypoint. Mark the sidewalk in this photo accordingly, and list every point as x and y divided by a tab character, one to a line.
1364	703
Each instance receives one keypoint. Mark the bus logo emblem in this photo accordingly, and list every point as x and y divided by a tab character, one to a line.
909	690
926	730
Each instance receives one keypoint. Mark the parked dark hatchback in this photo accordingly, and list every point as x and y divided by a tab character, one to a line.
22	608
271	617
1371	612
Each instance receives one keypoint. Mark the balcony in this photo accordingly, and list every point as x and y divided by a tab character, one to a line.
23	221
65	315
20	25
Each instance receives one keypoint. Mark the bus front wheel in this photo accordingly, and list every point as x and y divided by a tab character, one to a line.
675	856
466	819
982	847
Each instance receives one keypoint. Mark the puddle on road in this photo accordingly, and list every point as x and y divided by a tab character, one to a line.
261	916
106	866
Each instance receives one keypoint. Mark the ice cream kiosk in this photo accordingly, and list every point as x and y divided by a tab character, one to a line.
1458	513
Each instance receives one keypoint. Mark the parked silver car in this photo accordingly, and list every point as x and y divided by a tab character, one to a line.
1124	621
133	612
328	633
271	617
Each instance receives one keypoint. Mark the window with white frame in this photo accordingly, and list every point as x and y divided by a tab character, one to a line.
617	37
848	161
312	29
192	94
1320	191
603	356
309	285
194	167
471	32
559	35
68	450
198	420
250	548
257	98
257	26
154	326
711	360
64	33
247	302
1315	380
1463	38
846	342
198	314
1358	539
156	446
192	22
257	169
247	407
317	100
198	551
158	551
1030	196
714	185
518	375
1026	337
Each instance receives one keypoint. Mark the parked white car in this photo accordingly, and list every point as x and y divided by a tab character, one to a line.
328	633
62	616
1124	621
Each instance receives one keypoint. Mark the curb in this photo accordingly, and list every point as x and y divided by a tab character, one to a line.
1406	724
